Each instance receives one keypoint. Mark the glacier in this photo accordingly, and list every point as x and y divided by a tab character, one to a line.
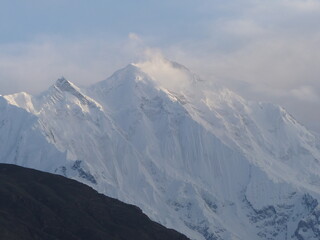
192	155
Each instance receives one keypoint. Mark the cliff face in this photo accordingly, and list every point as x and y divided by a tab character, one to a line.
193	156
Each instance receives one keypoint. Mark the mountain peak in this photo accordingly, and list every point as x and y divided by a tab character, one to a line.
197	158
127	76
131	69
169	75
64	88
61	80
65	85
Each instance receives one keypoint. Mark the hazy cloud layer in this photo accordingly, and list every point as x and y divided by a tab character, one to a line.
34	66
264	50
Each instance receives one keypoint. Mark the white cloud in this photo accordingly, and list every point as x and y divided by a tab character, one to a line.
134	36
162	70
35	65
242	27
305	93
265	50
303	5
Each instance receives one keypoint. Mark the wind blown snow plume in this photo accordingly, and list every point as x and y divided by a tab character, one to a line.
167	74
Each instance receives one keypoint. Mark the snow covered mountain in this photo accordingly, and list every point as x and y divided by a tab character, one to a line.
194	156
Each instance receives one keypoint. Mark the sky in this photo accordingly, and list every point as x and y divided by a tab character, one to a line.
263	50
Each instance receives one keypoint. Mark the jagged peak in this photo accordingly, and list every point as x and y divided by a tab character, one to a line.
62	88
65	85
61	80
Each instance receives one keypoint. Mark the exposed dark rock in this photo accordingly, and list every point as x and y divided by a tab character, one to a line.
82	173
309	227
36	205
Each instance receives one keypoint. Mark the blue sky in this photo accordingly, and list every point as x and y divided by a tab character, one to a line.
22	20
264	50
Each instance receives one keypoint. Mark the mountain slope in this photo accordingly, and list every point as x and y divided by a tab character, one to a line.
193	156
37	205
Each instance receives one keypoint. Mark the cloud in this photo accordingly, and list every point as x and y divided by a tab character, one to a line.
305	93
33	66
162	71
242	28
303	5
264	50
134	37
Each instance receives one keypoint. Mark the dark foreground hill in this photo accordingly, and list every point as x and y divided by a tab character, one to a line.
36	205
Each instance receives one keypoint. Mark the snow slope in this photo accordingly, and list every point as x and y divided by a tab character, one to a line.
194	156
